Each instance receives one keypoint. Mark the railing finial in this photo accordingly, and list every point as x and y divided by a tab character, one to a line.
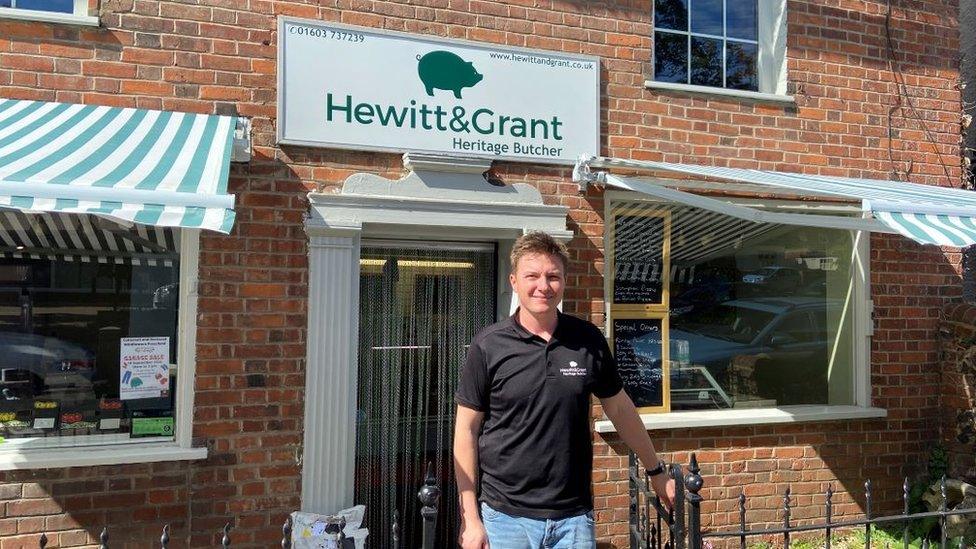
286	533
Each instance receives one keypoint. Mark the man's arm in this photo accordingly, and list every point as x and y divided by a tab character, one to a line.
621	411
467	426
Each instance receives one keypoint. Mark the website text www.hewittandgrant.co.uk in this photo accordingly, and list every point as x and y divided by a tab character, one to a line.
538	60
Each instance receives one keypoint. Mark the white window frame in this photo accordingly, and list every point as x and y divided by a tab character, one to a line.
79	16
119	448
771	64
863	330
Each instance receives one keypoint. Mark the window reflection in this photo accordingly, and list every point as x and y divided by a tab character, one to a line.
74	293
706	17
741	72
718	39
706	62
741	19
760	315
59	6
671	14
670	57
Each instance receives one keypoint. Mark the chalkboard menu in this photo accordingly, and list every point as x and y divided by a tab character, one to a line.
638	259
637	348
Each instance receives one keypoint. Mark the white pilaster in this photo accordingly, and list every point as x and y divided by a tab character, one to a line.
330	372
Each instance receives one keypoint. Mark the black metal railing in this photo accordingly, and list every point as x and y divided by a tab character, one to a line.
654	526
429	496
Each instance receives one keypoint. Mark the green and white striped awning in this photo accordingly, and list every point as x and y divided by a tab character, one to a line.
924	213
149	167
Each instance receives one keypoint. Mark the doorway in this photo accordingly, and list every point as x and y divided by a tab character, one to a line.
420	304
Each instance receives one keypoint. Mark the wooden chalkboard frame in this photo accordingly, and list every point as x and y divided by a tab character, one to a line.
665	356
664	304
637	311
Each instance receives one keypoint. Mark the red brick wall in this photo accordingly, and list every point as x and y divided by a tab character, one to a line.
216	56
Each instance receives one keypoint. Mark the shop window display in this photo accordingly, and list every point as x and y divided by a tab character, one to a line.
753	315
88	327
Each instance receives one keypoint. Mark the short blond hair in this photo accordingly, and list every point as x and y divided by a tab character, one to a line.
539	243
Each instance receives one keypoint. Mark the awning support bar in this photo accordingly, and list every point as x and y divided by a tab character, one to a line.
584	175
745	212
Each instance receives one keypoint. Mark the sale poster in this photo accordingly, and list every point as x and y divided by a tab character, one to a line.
144	367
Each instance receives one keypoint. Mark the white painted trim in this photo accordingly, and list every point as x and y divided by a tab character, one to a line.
53	458
187	329
721	92
772	48
753	416
864	319
329	440
365	209
71	442
50	16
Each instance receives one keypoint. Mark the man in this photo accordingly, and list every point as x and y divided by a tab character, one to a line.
523	416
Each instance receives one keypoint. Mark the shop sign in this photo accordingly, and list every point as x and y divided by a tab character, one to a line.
364	89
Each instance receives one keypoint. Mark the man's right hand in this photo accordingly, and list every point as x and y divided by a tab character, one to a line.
473	535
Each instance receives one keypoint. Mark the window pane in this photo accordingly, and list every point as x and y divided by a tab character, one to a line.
760	314
740	73
670	57
706	61
741	19
671	14
706	17
88	318
60	6
5	3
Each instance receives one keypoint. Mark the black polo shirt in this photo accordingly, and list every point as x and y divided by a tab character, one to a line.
535	451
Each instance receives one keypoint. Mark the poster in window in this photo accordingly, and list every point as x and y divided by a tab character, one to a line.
638	259
143	367
637	346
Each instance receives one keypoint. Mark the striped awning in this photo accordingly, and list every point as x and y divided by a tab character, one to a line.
924	213
84	239
143	166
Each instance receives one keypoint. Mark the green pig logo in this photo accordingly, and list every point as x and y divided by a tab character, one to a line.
443	70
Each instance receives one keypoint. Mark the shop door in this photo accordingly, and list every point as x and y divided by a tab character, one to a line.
420	305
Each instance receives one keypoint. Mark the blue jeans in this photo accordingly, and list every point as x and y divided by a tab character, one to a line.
508	532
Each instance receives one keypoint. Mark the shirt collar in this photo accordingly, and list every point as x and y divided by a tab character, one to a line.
526	335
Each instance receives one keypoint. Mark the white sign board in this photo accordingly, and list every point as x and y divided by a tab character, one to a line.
143	367
363	89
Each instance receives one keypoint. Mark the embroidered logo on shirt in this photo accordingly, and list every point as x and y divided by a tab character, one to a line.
573	370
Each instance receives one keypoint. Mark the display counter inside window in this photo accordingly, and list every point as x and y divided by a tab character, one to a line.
88	327
757	315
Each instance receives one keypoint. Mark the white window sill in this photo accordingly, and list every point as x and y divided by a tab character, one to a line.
708	90
750	416
14	458
48	17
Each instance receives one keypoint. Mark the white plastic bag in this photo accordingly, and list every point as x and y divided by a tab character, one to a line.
308	530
